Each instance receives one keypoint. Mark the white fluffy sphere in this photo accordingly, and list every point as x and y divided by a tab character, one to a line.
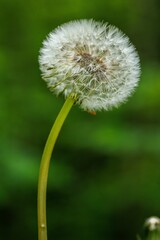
94	61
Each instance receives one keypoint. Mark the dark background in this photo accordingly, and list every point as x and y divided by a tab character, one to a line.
104	179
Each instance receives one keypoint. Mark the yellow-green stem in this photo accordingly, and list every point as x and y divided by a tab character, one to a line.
44	167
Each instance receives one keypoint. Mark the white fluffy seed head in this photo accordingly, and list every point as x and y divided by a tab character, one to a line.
152	223
93	60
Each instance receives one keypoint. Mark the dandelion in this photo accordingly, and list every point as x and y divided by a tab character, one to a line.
94	61
93	65
152	223
151	229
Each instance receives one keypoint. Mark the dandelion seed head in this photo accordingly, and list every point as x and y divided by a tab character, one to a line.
93	60
152	223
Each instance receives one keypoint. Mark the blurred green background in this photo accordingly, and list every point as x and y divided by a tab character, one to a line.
105	171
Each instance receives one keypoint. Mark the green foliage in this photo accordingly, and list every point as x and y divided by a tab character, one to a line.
104	177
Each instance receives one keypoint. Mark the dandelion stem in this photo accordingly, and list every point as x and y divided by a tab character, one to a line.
44	167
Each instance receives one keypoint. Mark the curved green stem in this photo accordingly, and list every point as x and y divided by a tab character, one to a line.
44	167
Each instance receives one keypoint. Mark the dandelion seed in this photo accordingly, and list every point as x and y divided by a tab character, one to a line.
94	61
